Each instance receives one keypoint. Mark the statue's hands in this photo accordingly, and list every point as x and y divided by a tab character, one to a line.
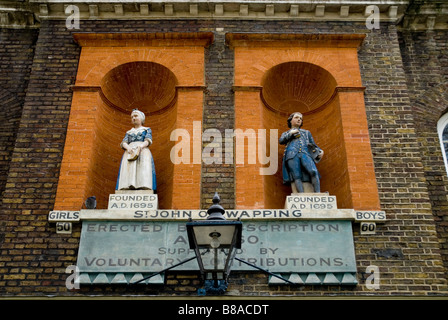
294	131
134	153
320	155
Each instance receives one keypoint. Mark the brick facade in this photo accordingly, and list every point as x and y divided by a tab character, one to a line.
427	81
17	49
409	249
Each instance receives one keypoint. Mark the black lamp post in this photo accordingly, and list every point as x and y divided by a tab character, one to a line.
215	241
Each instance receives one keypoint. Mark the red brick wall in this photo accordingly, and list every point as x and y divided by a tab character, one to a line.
33	258
425	60
111	81
347	169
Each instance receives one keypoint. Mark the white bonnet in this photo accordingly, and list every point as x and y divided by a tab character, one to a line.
141	114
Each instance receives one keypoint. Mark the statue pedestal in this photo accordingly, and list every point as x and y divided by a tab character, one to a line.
311	201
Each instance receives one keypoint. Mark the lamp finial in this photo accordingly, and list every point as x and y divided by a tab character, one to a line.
216	211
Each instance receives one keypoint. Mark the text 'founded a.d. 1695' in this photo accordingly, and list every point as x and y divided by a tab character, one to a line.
137	201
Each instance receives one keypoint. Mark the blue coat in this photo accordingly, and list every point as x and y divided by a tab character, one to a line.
303	143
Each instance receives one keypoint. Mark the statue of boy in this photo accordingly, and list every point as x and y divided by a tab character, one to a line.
137	164
300	156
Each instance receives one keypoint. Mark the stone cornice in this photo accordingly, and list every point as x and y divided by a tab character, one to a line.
415	15
426	15
284	39
144	39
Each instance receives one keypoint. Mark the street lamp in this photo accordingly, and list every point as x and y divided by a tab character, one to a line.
214	242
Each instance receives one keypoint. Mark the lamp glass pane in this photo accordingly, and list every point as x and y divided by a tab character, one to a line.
204	238
214	259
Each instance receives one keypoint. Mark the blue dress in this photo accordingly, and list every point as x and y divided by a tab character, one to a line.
139	173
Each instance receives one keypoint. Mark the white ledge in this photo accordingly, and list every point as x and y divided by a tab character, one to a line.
244	215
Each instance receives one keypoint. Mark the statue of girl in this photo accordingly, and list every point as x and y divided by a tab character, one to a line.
137	169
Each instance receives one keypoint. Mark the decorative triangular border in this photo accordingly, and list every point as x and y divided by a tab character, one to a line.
119	278
311	278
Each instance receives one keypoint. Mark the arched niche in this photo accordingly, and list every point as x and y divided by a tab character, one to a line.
140	84
311	90
160	74
300	86
150	88
319	76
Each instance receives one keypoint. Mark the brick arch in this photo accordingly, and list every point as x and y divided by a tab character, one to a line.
307	88
297	86
151	88
90	167
148	86
431	105
347	168
102	60
428	108
345	73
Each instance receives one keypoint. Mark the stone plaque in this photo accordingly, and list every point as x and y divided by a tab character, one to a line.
370	216
311	201
61	216
64	227
367	227
143	247
244	215
136	201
